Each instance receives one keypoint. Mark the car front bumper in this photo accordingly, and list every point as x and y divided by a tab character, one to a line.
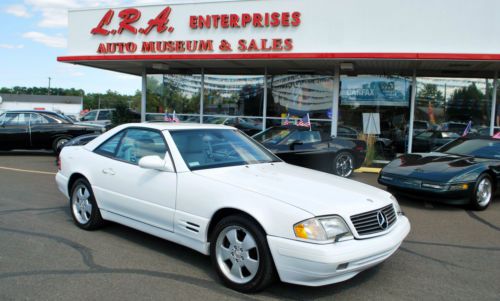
315	265
412	188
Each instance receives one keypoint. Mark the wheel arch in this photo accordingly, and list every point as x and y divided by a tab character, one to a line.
228	211
72	179
494	178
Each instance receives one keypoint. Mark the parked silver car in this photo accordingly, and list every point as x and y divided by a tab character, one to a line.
101	116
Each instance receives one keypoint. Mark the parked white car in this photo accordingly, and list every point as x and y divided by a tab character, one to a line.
213	189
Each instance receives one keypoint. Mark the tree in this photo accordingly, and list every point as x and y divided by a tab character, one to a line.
430	92
467	103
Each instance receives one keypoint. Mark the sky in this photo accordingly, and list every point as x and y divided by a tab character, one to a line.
34	34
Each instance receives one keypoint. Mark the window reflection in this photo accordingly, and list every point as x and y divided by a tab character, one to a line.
386	98
448	104
297	95
173	92
233	95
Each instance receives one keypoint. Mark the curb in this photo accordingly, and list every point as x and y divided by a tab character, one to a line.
368	170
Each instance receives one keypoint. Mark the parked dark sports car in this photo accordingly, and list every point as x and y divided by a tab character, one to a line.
246	125
314	149
38	130
427	141
464	171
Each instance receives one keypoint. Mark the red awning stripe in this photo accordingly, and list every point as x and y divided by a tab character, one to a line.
285	56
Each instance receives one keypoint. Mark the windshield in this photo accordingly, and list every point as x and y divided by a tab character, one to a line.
211	148
482	148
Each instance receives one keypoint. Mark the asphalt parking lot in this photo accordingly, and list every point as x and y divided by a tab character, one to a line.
450	254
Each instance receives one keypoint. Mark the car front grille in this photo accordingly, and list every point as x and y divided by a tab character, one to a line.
374	221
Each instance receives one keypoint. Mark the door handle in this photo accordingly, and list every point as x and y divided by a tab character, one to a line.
108	171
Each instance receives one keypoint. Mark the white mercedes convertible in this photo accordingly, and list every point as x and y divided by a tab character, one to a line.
215	190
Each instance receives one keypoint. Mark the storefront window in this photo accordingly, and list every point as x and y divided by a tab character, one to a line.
497	109
376	105
496	118
173	92
233	95
449	104
296	95
234	100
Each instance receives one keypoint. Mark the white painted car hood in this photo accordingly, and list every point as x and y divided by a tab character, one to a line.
315	192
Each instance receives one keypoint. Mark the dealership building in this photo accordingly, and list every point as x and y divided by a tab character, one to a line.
401	63
69	105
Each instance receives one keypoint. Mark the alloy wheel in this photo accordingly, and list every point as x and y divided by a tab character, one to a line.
81	205
483	192
344	165
237	254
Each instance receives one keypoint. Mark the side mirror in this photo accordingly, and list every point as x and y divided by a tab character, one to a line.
157	163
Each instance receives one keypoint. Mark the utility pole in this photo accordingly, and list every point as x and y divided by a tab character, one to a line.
48	92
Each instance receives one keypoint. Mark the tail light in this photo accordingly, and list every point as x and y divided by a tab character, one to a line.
58	163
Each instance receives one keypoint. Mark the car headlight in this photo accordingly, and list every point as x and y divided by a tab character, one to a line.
323	229
396	205
433	186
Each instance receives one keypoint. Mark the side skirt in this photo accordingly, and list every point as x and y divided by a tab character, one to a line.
202	247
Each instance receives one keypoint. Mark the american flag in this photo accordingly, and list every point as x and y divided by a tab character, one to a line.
287	120
174	117
170	118
167	117
467	129
304	121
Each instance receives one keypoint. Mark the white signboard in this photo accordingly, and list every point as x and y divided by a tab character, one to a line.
371	123
288	29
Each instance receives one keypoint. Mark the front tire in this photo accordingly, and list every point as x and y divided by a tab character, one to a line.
483	192
343	164
58	144
83	206
240	255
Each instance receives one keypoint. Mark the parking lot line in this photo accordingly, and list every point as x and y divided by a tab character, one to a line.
27	170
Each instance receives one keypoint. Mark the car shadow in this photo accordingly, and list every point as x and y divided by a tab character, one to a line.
159	245
417	203
202	263
299	292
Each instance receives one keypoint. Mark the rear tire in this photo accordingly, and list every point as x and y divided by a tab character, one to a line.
343	164
83	206
483	192
240	255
